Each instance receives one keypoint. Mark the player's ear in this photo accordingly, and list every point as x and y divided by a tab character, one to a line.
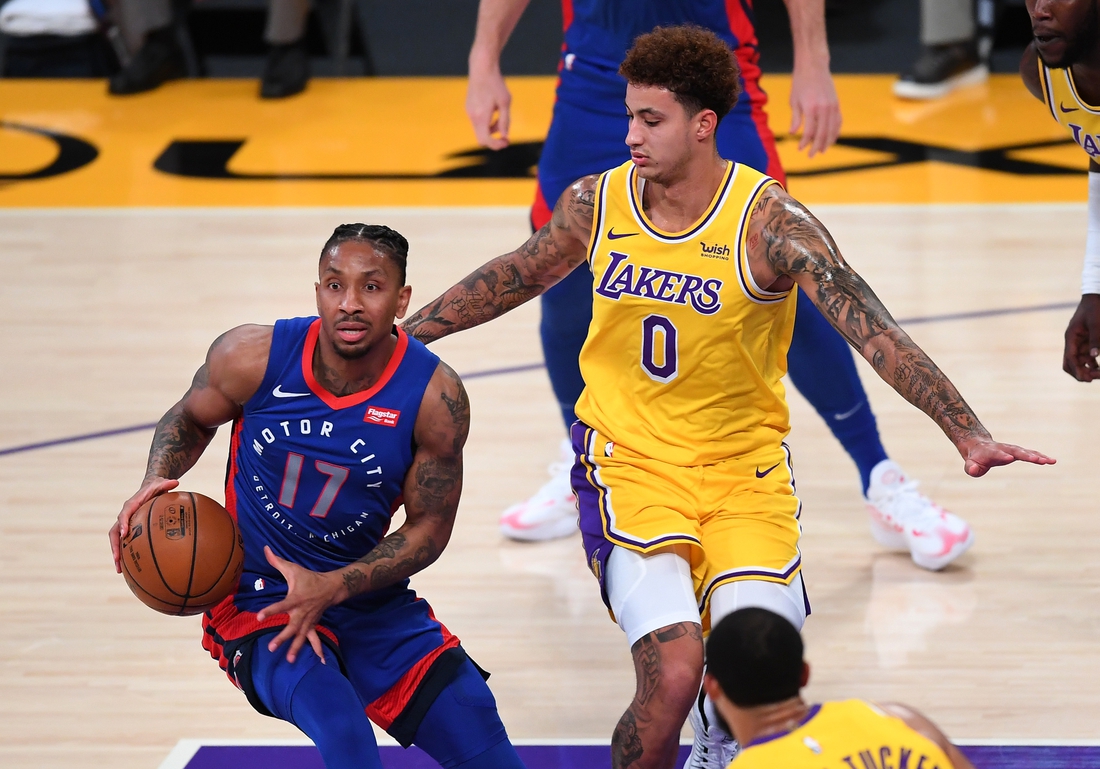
710	685
707	124
805	677
403	297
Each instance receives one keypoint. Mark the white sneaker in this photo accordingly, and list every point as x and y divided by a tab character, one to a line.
904	519
552	512
712	748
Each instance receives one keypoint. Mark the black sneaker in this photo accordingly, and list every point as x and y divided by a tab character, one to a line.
940	70
161	59
286	72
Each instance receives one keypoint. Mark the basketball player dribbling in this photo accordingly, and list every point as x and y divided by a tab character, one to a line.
1061	67
585	137
337	422
684	482
755	672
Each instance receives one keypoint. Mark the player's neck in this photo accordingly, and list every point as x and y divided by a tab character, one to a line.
1086	75
675	204
343	376
769	720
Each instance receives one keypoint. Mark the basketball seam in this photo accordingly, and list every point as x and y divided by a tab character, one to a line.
194	548
153	552
229	560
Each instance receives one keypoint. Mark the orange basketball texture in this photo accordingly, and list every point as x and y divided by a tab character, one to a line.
183	554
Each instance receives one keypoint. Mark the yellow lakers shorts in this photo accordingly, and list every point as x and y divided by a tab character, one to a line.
740	516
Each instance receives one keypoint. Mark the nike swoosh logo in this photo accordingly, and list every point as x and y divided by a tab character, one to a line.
762	474
278	393
1063	108
611	235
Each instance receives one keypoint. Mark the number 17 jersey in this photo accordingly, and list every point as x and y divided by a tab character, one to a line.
685	353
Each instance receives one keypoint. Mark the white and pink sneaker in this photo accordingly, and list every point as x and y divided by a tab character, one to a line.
551	513
904	519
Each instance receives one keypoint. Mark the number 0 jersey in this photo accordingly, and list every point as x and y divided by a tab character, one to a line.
842	735
317	476
1070	110
685	352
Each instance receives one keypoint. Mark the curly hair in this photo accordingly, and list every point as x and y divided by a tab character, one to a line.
693	63
390	242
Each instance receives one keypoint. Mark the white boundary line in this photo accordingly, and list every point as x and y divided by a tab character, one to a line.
185	749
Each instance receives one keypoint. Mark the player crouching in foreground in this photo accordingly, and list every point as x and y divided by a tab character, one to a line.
754	673
337	420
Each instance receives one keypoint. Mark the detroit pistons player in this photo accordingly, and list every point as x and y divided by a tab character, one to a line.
337	421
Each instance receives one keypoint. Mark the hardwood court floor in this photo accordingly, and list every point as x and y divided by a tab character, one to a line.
105	314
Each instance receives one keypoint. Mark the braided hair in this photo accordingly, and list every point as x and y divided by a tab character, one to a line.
385	240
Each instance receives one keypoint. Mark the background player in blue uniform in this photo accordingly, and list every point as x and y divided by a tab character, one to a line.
586	137
338	421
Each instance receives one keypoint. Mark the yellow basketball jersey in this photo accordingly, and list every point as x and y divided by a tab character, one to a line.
1069	109
685	352
845	735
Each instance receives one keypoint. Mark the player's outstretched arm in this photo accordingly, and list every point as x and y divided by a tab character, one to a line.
919	723
488	102
233	370
510	280
433	485
786	242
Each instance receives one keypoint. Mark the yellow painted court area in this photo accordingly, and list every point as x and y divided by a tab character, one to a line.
374	142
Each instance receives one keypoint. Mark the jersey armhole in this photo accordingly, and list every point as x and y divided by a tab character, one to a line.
751	290
1046	86
270	375
597	216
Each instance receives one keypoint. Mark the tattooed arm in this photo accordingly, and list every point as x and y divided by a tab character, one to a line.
232	372
510	280
787	243
432	488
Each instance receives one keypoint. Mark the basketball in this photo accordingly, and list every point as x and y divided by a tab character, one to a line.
183	554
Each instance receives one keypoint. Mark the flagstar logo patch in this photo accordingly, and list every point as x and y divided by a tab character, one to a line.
377	416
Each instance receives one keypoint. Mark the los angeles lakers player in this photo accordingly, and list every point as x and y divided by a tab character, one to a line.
754	673
685	487
1062	68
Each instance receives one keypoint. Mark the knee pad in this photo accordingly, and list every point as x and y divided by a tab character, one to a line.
787	601
647	592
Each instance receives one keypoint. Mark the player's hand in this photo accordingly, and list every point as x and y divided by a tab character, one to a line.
980	454
814	107
488	104
151	487
308	594
1083	341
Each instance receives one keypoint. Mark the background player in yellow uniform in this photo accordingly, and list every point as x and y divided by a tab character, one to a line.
754	673
1062	68
684	484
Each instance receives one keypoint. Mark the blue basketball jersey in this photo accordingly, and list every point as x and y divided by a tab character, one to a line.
601	31
316	476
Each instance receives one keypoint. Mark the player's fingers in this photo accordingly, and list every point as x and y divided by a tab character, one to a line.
975	469
504	121
796	116
315	642
115	547
833	133
810	125
284	635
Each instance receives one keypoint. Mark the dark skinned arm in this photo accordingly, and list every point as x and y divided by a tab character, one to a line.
921	724
510	280
432	488
787	243
233	371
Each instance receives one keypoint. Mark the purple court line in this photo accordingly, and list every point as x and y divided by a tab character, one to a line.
534	366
